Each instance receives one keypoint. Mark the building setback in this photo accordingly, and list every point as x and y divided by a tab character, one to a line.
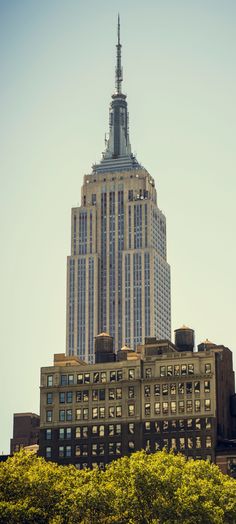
163	395
118	278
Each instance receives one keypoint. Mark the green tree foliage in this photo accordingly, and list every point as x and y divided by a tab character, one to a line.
161	488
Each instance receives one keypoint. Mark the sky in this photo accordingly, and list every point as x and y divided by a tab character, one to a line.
58	60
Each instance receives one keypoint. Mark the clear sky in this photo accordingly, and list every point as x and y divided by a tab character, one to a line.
57	76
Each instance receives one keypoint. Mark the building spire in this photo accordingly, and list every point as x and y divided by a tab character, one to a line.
119	72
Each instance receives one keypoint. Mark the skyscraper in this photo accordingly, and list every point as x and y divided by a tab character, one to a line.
118	278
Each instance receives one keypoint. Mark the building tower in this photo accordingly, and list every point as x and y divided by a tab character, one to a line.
118	278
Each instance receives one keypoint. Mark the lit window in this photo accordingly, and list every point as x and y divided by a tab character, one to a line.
173	389
177	370
112	376
118	448
118	393
189	423
197	387
157	390
118	411
190	369
147	426
85	413
111	411
94	413
95	394
77	451
198	442
119	374
101	412
148	372
131	445
182	443
163	371
80	378
207	386
169	371
103	376
184	369
112	394
207	404
164	389
157	408
131	392
190	442
197	405
78	414
111	448
181	388
208	423
207	369
181	406
173	407
198	423
147	409
189	406
165	408
131	410
131	428
165	425
86	378
147	391
173	443
131	374
96	378
208	441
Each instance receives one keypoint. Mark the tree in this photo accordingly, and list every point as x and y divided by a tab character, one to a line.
162	488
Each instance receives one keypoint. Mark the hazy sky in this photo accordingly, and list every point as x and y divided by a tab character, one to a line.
57	76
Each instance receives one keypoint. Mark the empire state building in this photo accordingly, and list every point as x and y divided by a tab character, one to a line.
118	278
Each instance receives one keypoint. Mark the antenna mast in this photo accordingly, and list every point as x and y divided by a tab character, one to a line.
119	72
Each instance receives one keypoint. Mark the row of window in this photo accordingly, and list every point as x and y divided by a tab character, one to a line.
117	375
112	430
116	393
157	408
173	407
115	448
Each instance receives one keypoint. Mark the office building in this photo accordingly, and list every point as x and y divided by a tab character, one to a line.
163	395
118	278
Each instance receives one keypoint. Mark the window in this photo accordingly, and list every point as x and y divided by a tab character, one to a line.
173	443
68	433
69	414
95	394
189	406
181	406
118	448
112	376
86	378
84	430
181	388
78	414
49	380
78	396
95	378
112	394
207	386
147	391
101	412
165	408
131	409
48	434
131	428
131	445
157	408
208	423
101	448
157	427
62	397
147	446
119	374
94	449
61	433
189	388
181	443
157	446
189	423
69	397
131	374
111	448
207	404
157	390
49	398
207	369
190	442
177	370
77	451
147	426
164	389
131	392
101	394
64	380
173	407
181	424
111	430
94	413
80	378
84	450
190	369
163	371
103	377
70	380
61	451
173	424
78	432
169	371
68	451
111	411
85	395
197	405
198	423
148	373
95	430
118	393
118	411
85	413
173	389
197	387
101	431
165	425
147	409
198	442
183	369
49	415
208	441
48	452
